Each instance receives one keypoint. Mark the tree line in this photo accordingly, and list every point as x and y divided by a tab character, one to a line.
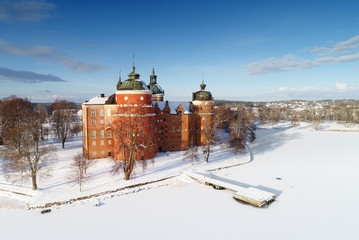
24	130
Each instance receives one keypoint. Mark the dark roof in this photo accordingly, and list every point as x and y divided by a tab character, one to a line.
202	95
111	99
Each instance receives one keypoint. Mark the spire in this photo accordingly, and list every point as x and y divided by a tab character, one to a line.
153	76
203	86
119	83
133	75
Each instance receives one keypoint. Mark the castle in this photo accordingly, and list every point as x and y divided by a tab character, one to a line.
136	120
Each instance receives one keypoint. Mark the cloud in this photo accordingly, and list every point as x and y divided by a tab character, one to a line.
25	11
290	63
339	91
27	76
339	48
47	53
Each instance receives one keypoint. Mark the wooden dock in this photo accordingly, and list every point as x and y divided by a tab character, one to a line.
249	195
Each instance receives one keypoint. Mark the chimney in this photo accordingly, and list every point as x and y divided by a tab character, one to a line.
102	95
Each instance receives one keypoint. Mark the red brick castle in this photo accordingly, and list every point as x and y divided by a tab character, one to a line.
137	117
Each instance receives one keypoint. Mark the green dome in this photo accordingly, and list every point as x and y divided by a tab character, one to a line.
131	84
156	89
202	95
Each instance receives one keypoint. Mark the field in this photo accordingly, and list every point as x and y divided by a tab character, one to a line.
313	173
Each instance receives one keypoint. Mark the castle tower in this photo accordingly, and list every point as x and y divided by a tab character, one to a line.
134	119
157	92
203	114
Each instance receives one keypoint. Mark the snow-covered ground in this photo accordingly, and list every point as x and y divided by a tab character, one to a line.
313	173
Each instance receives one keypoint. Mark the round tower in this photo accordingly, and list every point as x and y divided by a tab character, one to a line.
157	92
134	120
202	101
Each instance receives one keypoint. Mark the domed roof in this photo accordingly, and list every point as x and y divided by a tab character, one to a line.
202	95
153	86
156	89
136	84
133	82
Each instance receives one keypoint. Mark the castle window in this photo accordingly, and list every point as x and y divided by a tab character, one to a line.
108	112
109	142
164	119
155	129
167	112
109	134
166	127
101	112
108	121
174	119
94	134
94	143
94	154
101	121
179	112
93	112
102	152
126	98
102	133
173	129
102	142
180	128
128	134
200	108
141	98
142	134
93	122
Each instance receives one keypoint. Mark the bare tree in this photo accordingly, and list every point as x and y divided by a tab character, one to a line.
64	117
316	120
16	113
32	159
79	168
43	117
241	129
294	121
191	152
131	143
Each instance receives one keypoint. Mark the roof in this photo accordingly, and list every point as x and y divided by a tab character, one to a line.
155	88
96	100
174	106
202	95
133	84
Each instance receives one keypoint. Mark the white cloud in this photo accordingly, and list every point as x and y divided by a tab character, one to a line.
48	53
27	76
25	11
290	63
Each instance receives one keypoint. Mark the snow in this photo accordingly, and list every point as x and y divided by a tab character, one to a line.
314	175
144	85
174	106
96	100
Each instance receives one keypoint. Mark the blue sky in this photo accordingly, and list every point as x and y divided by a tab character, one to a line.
246	50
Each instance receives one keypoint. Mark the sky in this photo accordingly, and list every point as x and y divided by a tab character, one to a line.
243	50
